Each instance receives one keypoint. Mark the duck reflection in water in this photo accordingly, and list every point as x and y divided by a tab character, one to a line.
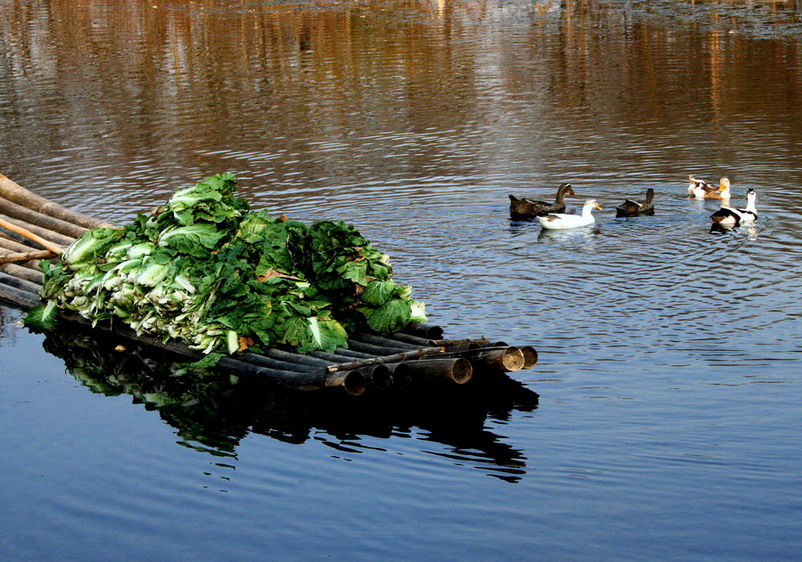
569	234
213	411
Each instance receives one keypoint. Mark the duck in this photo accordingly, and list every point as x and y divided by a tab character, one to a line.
698	187
562	221
525	207
705	190
722	193
630	208
729	217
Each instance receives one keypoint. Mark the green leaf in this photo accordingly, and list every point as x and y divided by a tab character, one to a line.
42	317
392	316
378	292
90	245
210	360
187	239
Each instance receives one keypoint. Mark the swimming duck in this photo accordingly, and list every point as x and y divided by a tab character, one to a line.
563	221
525	207
735	217
723	192
704	190
697	188
630	208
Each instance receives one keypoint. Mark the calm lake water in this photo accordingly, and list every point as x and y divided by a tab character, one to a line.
668	419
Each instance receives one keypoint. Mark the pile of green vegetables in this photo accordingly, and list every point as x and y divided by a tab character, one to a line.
209	272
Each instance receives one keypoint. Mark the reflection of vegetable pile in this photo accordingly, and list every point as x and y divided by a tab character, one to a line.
209	272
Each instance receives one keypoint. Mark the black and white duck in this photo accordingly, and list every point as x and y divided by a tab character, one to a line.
729	217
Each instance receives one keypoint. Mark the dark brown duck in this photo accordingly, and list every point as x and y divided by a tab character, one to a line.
630	208
524	207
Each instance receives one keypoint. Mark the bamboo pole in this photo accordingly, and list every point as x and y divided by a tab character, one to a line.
372	349
344	354
506	358
426	331
23	273
18	297
445	369
468	343
14	210
409	338
55	248
282	355
50	235
8	243
382	341
419	341
18	194
406	355
263	361
12	281
25	256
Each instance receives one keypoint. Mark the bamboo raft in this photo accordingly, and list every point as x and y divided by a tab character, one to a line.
33	228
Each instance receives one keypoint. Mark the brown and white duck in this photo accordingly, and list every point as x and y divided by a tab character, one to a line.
630	208
700	189
524	207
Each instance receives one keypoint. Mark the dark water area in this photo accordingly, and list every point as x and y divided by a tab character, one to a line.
663	418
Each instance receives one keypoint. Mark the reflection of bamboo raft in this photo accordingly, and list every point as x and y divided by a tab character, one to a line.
33	228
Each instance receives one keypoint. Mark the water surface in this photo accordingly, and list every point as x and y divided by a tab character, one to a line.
668	415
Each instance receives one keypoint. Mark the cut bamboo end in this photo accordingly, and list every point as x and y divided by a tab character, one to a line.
461	371
530	356
352	382
513	359
380	377
402	376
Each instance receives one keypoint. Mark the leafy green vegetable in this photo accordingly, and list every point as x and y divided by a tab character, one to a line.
92	244
43	316
207	271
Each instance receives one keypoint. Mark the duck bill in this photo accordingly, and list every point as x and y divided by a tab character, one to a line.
598	208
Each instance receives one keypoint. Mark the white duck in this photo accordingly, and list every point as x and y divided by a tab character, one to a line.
735	217
562	221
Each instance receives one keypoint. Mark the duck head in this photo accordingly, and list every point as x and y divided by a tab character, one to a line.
567	189
592	204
